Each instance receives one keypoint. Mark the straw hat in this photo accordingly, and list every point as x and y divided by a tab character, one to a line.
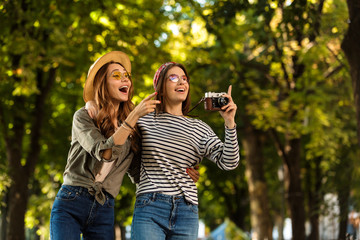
114	56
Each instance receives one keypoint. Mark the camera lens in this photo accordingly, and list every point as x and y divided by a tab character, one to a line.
222	101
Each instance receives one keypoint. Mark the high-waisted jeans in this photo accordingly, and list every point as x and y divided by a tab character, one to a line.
76	211
159	217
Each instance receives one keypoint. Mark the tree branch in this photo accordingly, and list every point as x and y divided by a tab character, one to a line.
283	67
280	148
335	55
333	71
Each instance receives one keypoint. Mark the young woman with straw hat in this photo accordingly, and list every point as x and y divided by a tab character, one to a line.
101	152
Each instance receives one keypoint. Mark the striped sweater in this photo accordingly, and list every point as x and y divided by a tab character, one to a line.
171	143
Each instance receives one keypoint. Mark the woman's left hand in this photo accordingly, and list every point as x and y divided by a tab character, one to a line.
228	111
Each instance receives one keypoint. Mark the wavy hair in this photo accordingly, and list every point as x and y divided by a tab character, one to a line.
106	107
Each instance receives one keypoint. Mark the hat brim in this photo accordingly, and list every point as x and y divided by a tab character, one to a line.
114	56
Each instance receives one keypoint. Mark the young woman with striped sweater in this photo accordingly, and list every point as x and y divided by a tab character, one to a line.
166	198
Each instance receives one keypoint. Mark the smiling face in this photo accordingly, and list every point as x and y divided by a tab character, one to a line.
176	86
118	82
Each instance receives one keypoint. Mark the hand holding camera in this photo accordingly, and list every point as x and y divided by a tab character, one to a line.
214	101
223	103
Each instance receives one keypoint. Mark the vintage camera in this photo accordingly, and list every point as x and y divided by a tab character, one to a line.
214	101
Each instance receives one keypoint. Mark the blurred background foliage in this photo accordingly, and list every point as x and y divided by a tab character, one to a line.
290	81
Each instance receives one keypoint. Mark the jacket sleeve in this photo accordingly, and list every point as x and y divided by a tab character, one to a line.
90	138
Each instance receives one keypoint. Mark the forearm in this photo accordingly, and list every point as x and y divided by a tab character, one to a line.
119	137
230	123
230	157
123	132
132	118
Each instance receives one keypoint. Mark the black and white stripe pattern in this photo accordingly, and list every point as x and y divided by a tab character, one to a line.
170	144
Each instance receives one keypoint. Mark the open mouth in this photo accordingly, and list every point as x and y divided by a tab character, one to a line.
124	89
180	90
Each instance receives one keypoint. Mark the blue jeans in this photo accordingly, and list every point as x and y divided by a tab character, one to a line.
76	211
158	216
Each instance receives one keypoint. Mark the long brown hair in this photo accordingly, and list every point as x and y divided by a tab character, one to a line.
160	89
106	113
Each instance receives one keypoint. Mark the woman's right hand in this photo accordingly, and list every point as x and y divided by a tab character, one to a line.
147	105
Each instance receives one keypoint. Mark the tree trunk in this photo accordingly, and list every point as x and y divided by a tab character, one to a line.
351	47
343	196
314	196
344	179
295	196
4	210
17	205
290	153
14	152
17	193
259	214
20	173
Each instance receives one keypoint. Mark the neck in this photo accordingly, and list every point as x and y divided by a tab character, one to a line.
115	112
174	109
116	108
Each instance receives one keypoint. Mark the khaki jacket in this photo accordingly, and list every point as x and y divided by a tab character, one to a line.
85	158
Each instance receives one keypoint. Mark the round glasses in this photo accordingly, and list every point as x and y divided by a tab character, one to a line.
120	76
175	78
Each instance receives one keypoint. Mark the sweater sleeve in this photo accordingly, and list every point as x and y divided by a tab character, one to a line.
224	154
91	139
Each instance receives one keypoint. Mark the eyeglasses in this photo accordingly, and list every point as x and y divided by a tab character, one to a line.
175	78
120	75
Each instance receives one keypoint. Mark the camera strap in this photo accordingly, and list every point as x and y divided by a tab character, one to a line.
201	100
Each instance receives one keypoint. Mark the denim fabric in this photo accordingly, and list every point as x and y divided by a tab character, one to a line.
76	211
158	216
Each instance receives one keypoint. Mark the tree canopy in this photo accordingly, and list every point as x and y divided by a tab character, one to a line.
296	118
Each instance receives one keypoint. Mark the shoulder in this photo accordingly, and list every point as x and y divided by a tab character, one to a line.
200	124
81	115
197	127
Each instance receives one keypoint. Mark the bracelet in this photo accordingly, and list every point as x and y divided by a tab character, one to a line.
126	128
132	128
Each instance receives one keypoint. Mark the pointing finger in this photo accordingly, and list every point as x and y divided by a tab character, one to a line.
150	96
229	90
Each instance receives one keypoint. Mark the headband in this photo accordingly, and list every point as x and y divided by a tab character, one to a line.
157	74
